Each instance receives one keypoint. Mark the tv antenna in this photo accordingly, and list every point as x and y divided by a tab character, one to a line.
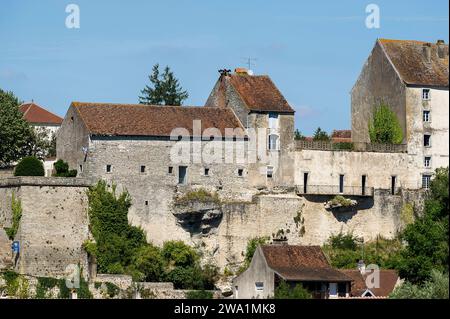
249	61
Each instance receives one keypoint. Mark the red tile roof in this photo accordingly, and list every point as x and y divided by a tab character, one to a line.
35	114
409	60
341	136
259	93
301	263
146	120
388	281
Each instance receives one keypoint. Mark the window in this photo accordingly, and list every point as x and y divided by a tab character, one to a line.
426	94
206	172
240	172
393	184
426	116
108	168
269	171
142	169
363	184
182	175
427	140
426	179
259	286
273	120
305	182
273	142
81	168
427	161
341	184
146	203
170	171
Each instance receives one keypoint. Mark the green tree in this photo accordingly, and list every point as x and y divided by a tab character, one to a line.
149	262
298	135
435	288
15	133
165	89
29	166
427	238
284	291
320	135
384	126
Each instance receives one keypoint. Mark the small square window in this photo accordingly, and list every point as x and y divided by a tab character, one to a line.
108	168
259	286
146	203
206	172
427	161
427	140
240	172
426	116
170	170
269	171
142	169
426	180
426	94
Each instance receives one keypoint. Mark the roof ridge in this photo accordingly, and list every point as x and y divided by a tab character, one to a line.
75	103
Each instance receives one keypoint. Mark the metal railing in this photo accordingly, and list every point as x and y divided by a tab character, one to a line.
335	190
350	147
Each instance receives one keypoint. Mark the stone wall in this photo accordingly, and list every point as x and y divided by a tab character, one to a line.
54	223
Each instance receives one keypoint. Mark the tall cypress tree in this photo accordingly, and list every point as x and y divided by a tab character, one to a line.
165	89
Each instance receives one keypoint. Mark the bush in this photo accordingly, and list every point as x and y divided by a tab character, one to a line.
29	166
62	169
284	291
252	244
384	127
342	241
199	294
43	286
16	207
436	288
201	195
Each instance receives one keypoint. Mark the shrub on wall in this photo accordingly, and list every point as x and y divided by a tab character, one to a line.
29	166
62	169
199	294
16	208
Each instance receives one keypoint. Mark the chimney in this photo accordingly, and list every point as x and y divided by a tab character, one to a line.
361	267
243	71
427	52
442	50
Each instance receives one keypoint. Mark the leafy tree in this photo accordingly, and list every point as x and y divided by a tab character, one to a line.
385	127
320	135
284	291
177	253
165	89
427	238
435	288
149	262
15	133
29	166
199	294
299	136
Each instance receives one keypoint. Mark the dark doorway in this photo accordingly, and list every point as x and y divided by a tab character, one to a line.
182	174
393	184
363	185
341	184
305	183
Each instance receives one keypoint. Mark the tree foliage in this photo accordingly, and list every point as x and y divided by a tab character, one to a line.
29	166
165	89
321	135
299	136
15	134
427	238
284	291
435	288
384	126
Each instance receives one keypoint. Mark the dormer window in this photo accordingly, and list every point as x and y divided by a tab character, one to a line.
426	94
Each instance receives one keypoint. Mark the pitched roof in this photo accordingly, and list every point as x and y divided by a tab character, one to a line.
259	93
409	60
388	281
35	114
146	120
301	263
341	136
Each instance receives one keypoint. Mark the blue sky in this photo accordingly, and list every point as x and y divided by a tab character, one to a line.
313	50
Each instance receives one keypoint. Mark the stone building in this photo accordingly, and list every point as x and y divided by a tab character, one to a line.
305	265
412	78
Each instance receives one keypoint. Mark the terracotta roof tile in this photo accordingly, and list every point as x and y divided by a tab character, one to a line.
35	114
145	120
409	60
259	93
301	263
388	281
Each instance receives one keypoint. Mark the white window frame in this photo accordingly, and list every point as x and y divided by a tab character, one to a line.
427	161
426	94
259	286
274	121
426	116
270	145
426	181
